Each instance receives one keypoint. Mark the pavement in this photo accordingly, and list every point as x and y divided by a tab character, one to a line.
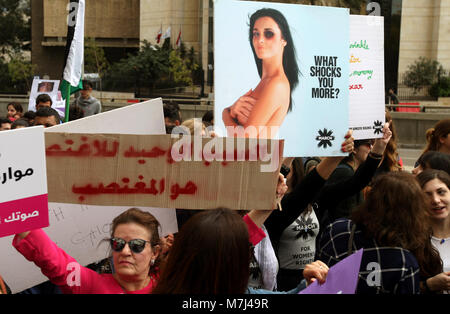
409	157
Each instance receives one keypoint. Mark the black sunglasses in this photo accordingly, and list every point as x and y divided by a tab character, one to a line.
267	34
135	245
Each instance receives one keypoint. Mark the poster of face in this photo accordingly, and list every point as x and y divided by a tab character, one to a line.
51	88
281	71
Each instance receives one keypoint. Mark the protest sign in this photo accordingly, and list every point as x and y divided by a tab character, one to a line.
305	92
49	87
23	188
80	229
162	170
342	278
142	118
366	99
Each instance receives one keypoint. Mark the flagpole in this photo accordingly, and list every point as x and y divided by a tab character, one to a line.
66	116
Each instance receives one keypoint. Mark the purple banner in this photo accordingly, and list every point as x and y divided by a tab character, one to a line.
342	278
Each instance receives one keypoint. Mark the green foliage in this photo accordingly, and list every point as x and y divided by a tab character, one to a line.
441	88
94	58
178	69
154	67
20	71
15	25
423	72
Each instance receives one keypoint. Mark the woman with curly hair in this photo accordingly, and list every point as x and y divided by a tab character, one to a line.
394	230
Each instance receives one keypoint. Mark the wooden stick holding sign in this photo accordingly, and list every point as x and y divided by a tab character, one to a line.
162	170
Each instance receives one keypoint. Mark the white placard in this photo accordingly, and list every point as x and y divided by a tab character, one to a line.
49	87
366	94
15	181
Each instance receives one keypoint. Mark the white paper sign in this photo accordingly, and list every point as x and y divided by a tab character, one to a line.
80	229
23	181
49	87
366	95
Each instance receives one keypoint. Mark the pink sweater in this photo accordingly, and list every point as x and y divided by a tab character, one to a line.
60	267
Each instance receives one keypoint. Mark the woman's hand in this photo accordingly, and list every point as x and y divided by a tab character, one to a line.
242	108
23	235
281	187
380	143
166	243
439	282
317	270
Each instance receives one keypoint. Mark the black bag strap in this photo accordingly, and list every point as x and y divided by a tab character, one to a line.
350	240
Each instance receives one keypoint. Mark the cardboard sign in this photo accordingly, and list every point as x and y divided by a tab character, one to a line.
162	170
23	181
315	121
49	87
342	278
366	101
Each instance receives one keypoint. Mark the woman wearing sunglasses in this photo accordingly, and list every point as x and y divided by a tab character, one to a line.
274	53
135	245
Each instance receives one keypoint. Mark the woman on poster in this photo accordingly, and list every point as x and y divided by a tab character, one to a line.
275	58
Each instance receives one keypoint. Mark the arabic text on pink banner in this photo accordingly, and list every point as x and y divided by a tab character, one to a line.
23	215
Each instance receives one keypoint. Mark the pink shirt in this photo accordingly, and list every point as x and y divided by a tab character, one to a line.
62	269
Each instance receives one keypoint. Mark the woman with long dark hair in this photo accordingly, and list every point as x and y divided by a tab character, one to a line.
436	185
394	230
274	52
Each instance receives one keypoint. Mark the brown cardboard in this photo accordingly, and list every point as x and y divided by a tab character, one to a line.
117	169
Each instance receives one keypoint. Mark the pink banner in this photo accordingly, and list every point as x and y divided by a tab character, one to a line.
23	215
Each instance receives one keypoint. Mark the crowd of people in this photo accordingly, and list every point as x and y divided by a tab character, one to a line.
84	105
331	207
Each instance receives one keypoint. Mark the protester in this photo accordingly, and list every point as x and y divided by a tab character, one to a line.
391	160
393	228
5	124
432	160
75	113
295	230
30	116
438	138
20	123
135	263
43	100
15	111
265	266
436	185
208	118
343	191
172	116
89	104
195	127
214	251
393	99
47	117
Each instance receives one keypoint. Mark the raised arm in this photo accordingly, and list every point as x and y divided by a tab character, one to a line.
54	263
